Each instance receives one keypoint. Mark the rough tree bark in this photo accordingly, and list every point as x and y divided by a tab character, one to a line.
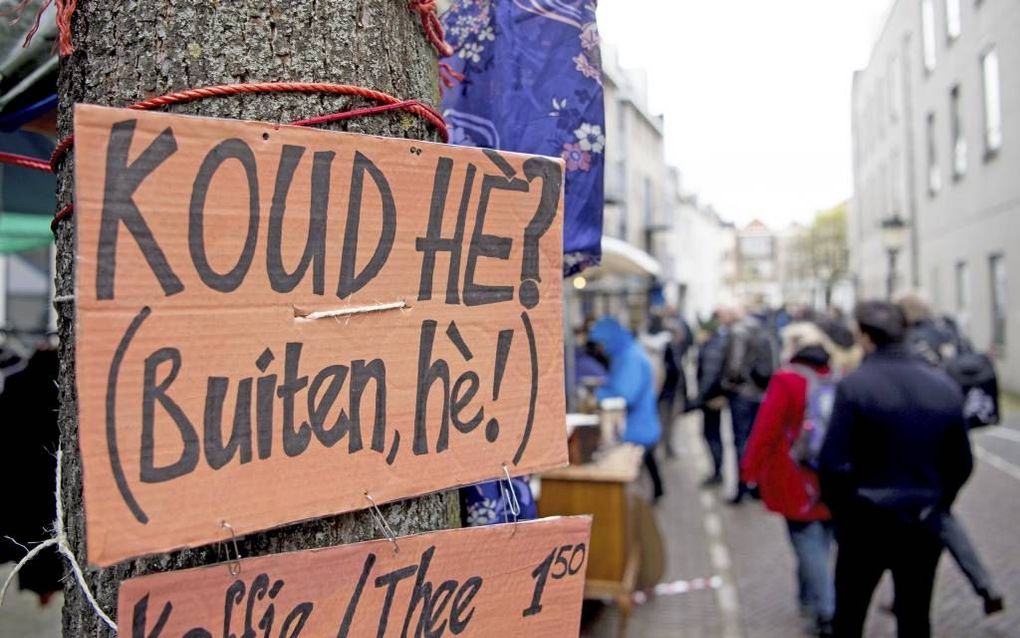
127	50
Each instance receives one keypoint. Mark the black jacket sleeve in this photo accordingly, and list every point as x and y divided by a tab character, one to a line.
710	369
956	461
835	461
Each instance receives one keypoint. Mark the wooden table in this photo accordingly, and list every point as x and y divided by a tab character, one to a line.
600	488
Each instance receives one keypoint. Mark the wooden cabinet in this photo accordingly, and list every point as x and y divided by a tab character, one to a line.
601	488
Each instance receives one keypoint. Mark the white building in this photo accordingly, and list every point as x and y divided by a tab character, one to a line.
635	156
634	187
647	210
936	121
692	253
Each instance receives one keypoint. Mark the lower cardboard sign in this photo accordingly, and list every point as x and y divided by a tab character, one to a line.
479	581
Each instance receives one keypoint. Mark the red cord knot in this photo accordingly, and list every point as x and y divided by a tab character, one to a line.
426	10
64	12
449	75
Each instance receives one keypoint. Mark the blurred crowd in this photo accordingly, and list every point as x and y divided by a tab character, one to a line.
854	429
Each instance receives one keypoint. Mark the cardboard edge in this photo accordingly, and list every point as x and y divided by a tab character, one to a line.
108	559
274	126
583	519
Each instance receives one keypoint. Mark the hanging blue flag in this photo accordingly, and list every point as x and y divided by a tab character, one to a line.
527	77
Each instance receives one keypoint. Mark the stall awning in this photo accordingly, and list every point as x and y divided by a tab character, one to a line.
621	258
27	197
19	231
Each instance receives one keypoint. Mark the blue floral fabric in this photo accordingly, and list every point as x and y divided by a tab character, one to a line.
528	78
485	503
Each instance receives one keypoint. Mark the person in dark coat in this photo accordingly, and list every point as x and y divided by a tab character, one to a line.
673	394
894	459
711	398
750	361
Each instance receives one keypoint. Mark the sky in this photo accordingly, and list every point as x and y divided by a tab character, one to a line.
755	94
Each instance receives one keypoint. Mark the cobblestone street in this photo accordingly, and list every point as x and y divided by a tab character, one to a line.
747	548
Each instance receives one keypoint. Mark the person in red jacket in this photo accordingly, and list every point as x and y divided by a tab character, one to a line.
790	487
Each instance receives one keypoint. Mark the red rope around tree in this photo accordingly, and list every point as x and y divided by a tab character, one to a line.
426	10
192	95
388	103
24	161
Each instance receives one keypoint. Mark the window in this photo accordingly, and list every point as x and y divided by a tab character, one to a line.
934	177
649	208
879	108
895	185
993	106
952	19
935	285
893	77
997	269
928	33
883	191
956	138
962	287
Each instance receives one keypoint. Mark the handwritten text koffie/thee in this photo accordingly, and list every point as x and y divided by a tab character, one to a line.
434	606
264	418
432	609
123	178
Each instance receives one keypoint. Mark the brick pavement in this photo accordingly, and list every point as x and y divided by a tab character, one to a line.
760	563
752	555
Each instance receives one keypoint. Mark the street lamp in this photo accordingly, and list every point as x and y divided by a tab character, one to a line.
894	237
825	273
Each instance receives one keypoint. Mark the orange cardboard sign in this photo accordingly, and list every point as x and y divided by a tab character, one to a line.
273	321
478	581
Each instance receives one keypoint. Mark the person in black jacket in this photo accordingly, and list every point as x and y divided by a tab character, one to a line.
673	395
895	457
711	398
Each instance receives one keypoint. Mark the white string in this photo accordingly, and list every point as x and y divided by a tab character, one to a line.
353	310
63	298
60	541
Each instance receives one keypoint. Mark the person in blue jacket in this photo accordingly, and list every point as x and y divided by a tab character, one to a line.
631	377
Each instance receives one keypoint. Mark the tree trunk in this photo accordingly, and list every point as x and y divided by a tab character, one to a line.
127	50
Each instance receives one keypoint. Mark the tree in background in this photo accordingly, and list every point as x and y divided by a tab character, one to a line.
819	252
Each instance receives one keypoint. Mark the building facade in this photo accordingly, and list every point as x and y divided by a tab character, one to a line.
635	157
757	279
936	125
692	253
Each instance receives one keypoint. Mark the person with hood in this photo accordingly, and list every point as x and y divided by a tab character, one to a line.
787	482
631	377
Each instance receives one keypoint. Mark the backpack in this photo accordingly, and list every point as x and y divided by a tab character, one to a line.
935	341
760	358
940	344
821	395
975	374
